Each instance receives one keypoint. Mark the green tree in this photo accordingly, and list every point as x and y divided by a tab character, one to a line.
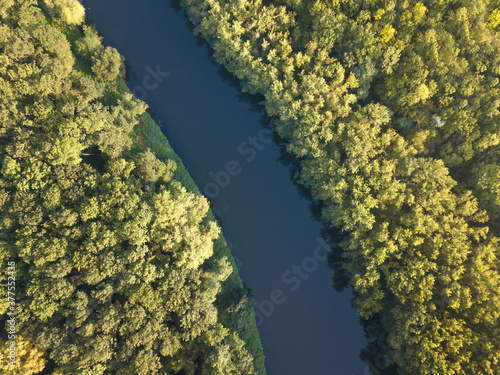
108	64
70	12
150	169
88	45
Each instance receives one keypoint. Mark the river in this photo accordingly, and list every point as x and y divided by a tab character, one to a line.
306	327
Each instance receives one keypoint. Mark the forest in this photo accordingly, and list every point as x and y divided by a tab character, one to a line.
391	109
118	264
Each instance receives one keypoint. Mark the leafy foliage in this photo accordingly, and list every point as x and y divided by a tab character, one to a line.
108	64
66	11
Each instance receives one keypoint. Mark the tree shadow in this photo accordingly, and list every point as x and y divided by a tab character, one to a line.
374	355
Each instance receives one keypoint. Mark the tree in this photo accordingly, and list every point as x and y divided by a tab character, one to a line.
485	179
88	45
494	20
108	64
70	12
150	169
29	358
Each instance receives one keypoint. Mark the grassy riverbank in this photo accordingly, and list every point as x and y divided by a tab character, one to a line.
234	315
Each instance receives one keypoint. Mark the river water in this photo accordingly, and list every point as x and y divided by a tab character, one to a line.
306	327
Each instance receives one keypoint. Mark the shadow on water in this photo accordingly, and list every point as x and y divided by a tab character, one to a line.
374	355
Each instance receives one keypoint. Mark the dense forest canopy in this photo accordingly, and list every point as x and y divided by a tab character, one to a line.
392	110
114	254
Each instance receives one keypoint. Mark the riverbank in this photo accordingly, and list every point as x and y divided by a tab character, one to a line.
233	302
240	316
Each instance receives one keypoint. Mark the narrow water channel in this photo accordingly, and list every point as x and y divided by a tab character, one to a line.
306	327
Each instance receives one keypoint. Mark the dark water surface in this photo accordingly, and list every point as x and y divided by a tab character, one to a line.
309	328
